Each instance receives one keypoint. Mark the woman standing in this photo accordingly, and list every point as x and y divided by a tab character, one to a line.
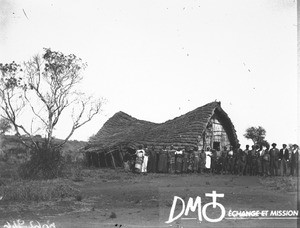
208	159
185	161
152	161
197	160
140	153
178	161
202	161
190	167
171	156
163	161
145	160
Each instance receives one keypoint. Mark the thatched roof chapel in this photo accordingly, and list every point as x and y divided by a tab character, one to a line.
125	131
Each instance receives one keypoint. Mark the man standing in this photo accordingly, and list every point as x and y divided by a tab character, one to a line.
214	158
241	160
260	153
230	160
224	160
274	155
248	161
283	159
202	161
294	160
253	161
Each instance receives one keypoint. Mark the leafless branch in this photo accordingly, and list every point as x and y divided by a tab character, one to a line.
95	108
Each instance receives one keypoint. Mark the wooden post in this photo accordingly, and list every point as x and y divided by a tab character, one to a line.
93	159
113	160
105	159
98	156
88	159
121	156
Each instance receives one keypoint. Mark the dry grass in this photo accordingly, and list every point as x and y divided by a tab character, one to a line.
288	184
22	191
106	174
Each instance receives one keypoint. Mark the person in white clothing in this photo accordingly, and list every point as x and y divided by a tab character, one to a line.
140	153
145	160
208	158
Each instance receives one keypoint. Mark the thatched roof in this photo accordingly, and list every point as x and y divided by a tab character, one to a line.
124	130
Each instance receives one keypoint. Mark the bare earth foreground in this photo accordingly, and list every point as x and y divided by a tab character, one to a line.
115	199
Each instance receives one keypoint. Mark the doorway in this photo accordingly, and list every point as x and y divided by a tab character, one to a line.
216	146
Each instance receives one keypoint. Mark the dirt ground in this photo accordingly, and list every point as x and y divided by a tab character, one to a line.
116	199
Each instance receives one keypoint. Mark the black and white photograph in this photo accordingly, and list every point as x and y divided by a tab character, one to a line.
149	113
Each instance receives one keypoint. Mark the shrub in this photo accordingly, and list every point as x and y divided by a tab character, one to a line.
113	215
44	163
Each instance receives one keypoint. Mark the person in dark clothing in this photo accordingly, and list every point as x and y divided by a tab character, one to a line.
171	160
214	161
196	160
274	156
178	160
152	163
190	167
260	154
230	161
241	159
248	161
266	161
185	160
253	161
162	165
223	160
283	159
202	161
294	160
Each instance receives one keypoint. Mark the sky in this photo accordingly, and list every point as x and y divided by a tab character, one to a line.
156	60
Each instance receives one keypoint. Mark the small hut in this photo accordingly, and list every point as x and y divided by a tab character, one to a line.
206	126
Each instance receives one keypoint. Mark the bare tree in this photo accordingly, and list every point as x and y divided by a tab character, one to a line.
46	86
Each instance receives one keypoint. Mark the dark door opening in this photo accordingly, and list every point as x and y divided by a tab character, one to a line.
216	146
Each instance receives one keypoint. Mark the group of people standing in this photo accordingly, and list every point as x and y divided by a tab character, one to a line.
259	160
265	161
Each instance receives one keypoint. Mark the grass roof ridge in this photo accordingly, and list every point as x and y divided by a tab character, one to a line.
124	129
